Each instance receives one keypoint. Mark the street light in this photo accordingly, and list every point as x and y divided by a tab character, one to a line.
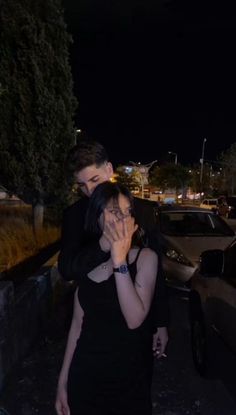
77	132
175	154
202	160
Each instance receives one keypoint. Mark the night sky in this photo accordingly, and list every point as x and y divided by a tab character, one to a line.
155	76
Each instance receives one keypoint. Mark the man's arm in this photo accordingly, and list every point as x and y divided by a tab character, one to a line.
78	256
160	305
160	300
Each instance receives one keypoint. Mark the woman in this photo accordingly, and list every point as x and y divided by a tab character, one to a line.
107	360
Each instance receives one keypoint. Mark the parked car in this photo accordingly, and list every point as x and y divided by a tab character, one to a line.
185	232
212	302
219	205
211	204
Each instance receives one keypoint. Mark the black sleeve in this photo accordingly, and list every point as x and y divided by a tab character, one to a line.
160	305
146	218
77	256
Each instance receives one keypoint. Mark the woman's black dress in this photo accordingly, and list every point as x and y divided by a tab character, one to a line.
110	369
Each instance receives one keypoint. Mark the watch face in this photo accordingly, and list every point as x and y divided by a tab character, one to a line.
123	269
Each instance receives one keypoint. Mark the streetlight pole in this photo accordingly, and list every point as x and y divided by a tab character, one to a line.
176	156
202	161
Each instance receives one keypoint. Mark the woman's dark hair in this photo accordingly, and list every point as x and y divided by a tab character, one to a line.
98	201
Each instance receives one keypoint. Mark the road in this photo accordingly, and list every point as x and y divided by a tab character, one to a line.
177	388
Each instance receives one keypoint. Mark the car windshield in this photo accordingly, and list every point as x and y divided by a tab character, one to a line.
190	223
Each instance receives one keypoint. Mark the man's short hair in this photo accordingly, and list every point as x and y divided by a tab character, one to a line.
85	153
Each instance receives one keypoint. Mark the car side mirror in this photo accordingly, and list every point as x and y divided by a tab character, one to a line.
212	263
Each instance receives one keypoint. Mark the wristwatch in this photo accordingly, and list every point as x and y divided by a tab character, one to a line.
122	269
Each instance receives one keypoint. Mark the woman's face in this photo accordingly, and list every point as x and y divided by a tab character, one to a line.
118	209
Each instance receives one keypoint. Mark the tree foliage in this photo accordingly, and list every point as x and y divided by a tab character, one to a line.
170	175
202	184
36	99
130	180
228	163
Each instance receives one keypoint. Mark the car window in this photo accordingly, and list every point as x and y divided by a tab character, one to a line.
194	224
212	202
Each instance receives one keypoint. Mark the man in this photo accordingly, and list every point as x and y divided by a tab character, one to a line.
89	164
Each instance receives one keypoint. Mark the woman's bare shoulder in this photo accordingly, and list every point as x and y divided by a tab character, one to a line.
133	253
148	252
147	255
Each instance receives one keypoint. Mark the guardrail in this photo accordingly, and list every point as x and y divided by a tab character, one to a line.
26	310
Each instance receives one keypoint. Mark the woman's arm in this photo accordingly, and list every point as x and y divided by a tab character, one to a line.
61	403
135	298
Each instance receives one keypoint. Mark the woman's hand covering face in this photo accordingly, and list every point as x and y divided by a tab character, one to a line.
119	233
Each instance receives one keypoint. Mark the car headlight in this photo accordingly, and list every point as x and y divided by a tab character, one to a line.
178	257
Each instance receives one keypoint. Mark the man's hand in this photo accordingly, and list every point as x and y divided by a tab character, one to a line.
159	342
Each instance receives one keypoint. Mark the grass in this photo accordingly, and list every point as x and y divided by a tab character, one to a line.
17	241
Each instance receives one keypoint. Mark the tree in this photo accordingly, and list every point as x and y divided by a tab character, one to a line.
170	175
36	101
228	163
130	180
206	186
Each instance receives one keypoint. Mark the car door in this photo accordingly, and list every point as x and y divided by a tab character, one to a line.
221	300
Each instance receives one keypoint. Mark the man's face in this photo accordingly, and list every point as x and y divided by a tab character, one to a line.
89	177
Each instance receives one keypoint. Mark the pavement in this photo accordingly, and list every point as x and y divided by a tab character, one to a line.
30	388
